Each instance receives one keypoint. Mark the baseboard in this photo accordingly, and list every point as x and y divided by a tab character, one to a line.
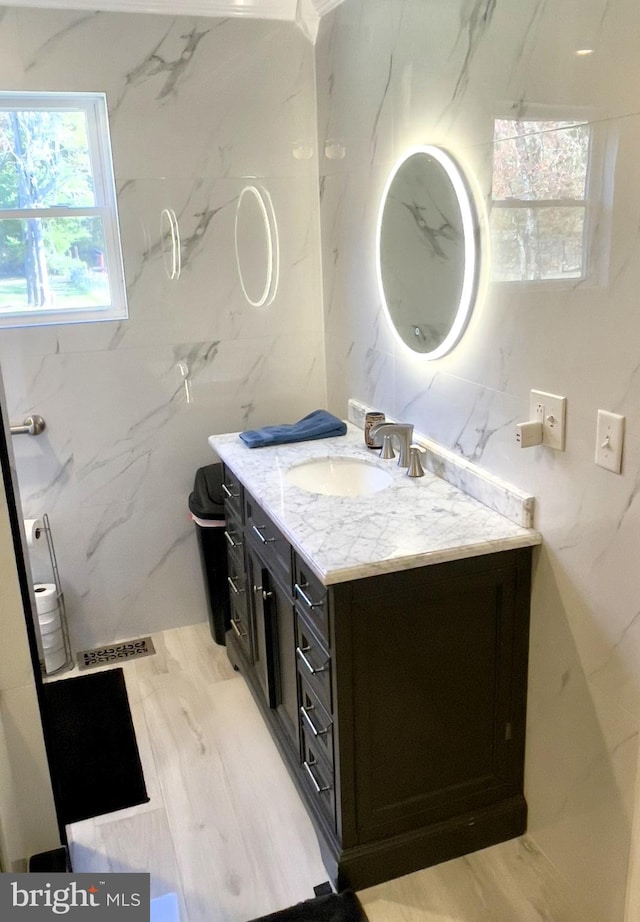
367	865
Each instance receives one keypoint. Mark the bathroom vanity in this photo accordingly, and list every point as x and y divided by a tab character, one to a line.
384	637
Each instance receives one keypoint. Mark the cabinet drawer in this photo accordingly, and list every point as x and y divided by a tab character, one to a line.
273	547
318	778
314	663
233	492
312	598
315	722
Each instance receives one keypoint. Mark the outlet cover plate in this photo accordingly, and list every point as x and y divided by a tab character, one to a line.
551	411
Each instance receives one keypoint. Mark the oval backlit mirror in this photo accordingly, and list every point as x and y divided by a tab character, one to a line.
257	249
427	251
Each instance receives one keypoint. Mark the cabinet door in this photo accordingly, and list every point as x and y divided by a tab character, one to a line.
261	613
286	685
275	656
432	686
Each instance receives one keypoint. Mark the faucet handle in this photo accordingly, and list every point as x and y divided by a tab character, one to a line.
387	451
415	461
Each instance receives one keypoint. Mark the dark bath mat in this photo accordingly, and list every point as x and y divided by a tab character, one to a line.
95	761
336	907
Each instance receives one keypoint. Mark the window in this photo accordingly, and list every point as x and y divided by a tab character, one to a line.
60	258
540	195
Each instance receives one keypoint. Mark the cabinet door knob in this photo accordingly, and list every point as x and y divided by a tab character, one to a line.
266	593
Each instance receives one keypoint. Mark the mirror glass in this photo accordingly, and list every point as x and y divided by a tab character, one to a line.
427	257
256	241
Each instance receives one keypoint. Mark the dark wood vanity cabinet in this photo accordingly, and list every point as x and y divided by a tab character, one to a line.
397	701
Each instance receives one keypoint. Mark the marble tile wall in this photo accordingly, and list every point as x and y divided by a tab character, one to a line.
395	73
196	106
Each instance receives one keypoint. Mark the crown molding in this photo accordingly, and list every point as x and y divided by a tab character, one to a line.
250	9
305	13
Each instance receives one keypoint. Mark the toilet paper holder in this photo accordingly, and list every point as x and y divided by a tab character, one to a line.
59	659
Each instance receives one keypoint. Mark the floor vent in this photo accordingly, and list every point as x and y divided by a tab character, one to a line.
128	649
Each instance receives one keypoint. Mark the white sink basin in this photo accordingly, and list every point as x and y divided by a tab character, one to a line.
338	476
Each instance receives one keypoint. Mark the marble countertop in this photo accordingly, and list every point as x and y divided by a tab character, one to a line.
411	523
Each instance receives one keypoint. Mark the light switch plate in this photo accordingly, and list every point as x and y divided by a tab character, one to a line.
551	411
609	441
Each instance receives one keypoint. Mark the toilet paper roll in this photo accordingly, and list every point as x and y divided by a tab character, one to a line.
34	531
54	659
52	642
46	597
49	621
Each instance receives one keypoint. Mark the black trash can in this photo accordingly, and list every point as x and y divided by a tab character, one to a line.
206	505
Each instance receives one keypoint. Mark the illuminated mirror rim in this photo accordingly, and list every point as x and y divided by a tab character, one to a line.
265	206
469	218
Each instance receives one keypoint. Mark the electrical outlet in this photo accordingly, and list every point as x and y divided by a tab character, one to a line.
609	440
551	411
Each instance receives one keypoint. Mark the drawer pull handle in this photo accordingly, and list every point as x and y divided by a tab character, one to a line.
238	632
312	669
308	768
232	582
299	591
227	492
257	530
305	714
231	540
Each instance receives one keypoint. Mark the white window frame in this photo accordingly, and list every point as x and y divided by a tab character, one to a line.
94	105
597	198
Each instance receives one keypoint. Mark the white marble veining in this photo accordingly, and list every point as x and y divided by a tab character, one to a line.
414	522
395	74
195	106
222	99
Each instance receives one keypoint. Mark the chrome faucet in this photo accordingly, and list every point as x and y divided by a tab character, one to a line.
404	435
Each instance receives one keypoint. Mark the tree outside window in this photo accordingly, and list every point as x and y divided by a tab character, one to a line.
539	200
60	257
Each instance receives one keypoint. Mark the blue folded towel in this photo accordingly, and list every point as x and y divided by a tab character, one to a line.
317	425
